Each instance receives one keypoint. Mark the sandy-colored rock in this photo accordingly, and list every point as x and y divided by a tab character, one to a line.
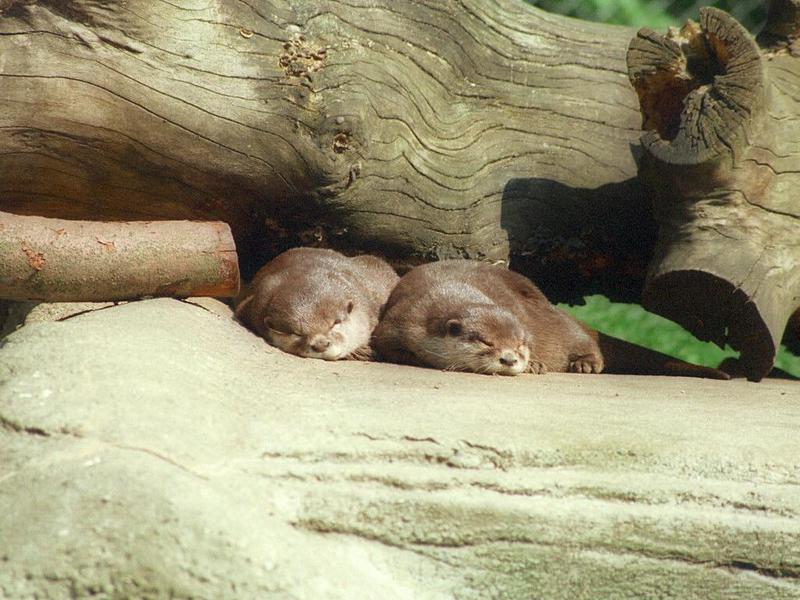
158	449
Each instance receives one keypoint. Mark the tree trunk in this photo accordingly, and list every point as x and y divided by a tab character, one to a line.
423	130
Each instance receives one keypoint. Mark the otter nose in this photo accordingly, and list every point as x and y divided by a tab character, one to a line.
508	359
320	344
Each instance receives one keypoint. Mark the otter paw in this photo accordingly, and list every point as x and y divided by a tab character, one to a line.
586	364
536	367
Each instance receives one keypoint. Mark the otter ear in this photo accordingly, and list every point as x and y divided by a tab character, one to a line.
242	305
454	327
350	305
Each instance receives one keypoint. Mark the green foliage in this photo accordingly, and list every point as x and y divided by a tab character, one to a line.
637	13
633	323
656	14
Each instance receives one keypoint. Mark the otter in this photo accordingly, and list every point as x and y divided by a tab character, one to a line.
317	303
472	316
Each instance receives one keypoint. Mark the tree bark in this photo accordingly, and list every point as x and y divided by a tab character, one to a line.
70	261
422	130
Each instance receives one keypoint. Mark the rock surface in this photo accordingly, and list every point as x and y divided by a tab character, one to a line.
157	449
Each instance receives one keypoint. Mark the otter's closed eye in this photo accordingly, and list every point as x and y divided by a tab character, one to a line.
476	337
454	327
279	329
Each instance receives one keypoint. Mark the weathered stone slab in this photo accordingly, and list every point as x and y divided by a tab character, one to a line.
158	449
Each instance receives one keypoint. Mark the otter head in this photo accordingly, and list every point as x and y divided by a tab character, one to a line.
480	338
315	321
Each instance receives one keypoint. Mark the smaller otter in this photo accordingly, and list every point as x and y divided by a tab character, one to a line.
317	303
471	316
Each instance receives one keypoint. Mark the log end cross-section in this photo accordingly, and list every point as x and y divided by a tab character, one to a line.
700	89
720	158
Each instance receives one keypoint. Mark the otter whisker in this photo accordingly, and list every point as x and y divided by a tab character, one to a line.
437	354
458	366
362	353
486	369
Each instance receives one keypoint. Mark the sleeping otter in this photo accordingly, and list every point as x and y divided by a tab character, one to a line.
472	316
317	303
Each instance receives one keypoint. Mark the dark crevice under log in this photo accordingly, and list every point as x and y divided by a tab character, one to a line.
722	123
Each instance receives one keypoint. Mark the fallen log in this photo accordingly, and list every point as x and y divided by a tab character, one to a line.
721	129
57	260
416	130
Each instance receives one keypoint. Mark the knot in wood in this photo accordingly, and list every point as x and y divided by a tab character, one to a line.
341	143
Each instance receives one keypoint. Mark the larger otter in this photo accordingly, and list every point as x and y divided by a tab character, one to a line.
317	303
472	316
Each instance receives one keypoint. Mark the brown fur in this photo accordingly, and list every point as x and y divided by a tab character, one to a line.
308	297
499	310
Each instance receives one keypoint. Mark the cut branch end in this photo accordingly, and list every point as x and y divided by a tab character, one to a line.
700	88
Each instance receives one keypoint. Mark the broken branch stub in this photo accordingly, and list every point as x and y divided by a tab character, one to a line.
783	25
719	126
58	260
